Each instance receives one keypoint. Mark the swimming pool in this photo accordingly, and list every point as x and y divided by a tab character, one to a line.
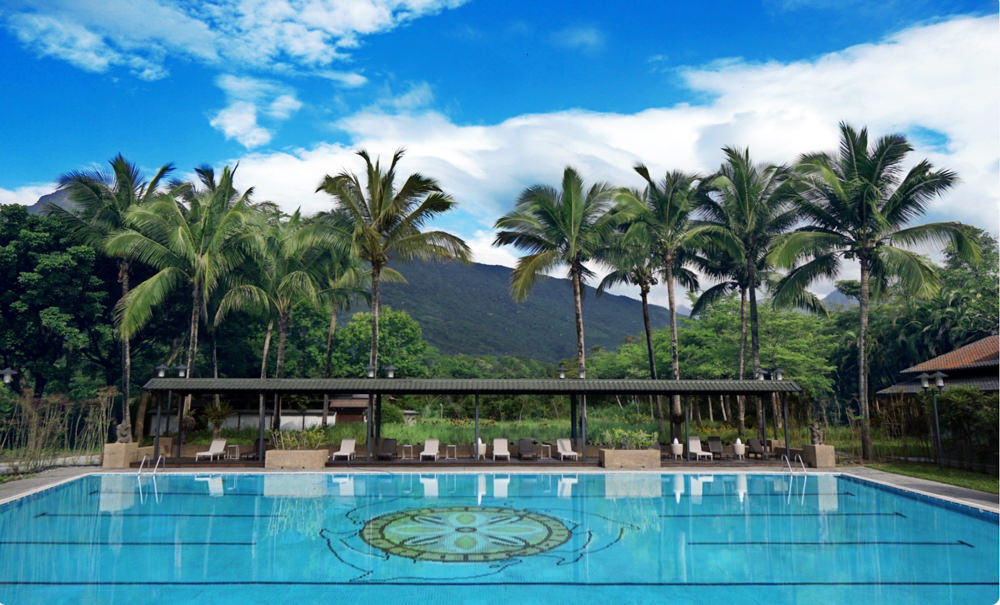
487	537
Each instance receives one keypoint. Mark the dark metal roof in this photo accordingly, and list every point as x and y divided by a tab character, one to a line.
464	386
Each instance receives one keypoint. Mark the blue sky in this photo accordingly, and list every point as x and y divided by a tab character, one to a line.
490	97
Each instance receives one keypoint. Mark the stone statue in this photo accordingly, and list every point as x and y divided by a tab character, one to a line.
816	434
124	433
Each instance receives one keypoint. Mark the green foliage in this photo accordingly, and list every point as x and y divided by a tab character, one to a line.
624	439
217	415
983	482
402	345
309	439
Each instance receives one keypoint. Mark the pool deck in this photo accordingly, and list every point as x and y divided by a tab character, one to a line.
981	500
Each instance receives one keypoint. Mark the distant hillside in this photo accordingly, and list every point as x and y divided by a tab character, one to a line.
58	198
836	300
468	309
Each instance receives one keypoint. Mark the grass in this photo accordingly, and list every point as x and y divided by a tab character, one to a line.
977	481
14	477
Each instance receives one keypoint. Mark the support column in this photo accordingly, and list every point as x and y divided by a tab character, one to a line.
260	428
687	427
378	417
583	426
159	429
572	417
784	408
368	425
475	445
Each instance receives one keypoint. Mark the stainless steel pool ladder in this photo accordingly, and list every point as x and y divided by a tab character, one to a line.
798	458
146	458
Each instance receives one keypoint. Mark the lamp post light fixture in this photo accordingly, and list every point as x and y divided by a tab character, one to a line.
161	370
370	369
182	371
8	375
582	371
925	383
390	371
778	374
562	371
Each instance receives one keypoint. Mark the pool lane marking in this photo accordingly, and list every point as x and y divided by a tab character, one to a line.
481	583
854	543
93	543
183	515
895	514
465	496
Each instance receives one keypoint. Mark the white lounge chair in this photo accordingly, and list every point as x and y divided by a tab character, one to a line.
216	450
479	449
500	449
565	449
431	447
346	450
694	447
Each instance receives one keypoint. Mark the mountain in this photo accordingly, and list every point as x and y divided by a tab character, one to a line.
836	300
469	309
58	198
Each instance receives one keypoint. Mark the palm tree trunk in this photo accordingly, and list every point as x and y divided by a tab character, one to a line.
644	294
284	318
676	413
123	270
376	303
196	295
263	361
866	438
215	362
741	403
754	332
329	354
581	354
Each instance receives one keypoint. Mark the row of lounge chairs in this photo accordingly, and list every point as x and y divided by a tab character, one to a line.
432	450
753	447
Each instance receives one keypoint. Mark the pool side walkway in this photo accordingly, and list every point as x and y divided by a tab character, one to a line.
969	497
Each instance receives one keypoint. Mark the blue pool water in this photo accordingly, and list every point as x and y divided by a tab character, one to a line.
489	538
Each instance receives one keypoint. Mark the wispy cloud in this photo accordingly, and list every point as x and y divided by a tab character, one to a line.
280	35
583	38
248	99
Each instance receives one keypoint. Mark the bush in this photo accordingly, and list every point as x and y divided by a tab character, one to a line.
622	439
309	439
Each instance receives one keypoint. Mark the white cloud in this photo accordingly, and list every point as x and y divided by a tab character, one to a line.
418	95
27	194
239	120
585	38
270	34
778	110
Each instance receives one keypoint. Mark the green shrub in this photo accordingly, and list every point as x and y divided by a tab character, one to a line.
309	439
622	439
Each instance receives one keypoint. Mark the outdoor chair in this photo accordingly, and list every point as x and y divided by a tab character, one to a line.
565	449
694	447
431	447
500	449
388	449
715	446
479	450
216	450
252	454
754	448
526	449
346	450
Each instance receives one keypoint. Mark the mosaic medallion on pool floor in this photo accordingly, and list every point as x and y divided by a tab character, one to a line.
464	534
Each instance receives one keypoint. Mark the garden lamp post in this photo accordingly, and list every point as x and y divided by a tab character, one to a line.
370	370
8	375
390	372
778	374
161	372
762	429
925	379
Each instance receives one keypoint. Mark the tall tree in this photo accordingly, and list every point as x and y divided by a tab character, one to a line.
559	227
666	212
195	242
748	204
857	202
384	222
102	200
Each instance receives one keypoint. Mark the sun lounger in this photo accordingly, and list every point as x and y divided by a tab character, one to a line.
346	450
754	448
526	449
431	447
694	447
715	446
565	449
500	449
216	450
388	449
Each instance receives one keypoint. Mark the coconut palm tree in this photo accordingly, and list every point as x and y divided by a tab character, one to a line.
666	213
858	202
195	242
102	200
383	223
559	227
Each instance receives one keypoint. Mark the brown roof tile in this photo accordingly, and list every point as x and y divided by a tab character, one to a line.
980	354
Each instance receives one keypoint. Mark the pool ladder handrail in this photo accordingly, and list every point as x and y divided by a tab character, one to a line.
146	458
788	462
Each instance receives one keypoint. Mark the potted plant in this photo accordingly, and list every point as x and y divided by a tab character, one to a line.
628	449
297	449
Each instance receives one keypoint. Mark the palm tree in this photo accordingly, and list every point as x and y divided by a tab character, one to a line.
289	274
749	205
666	213
383	222
555	227
627	253
102	200
195	242
857	203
